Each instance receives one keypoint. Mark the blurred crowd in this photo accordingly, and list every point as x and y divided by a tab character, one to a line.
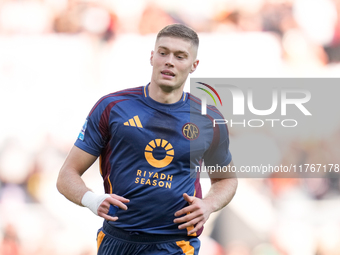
306	30
35	219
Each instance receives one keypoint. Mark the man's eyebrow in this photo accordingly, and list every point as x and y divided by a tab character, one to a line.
178	51
163	47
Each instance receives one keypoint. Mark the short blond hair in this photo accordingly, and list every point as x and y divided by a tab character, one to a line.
179	31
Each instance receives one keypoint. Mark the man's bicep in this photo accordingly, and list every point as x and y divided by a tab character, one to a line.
78	160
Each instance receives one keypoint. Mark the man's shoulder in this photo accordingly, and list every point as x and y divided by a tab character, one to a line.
116	97
124	94
196	106
195	102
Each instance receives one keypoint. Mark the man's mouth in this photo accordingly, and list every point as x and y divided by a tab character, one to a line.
168	73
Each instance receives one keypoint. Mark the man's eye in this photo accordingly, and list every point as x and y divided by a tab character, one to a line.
162	53
179	57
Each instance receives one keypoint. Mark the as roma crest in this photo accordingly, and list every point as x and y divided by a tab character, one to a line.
190	131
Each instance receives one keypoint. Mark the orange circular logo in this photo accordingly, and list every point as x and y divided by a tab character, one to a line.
190	131
159	143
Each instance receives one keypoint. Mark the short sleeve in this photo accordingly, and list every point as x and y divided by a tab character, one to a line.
93	135
218	153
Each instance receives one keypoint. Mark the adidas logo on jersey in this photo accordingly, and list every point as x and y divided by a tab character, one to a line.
134	122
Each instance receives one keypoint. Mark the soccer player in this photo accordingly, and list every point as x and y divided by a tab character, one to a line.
148	139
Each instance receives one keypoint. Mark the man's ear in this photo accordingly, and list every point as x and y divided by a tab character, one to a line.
194	66
151	58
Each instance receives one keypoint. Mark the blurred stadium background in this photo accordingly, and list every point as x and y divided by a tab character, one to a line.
58	57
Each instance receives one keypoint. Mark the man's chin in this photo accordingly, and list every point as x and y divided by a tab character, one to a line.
169	86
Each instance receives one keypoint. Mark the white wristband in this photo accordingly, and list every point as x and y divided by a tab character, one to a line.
93	201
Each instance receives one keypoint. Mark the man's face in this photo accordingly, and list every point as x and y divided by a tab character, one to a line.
172	60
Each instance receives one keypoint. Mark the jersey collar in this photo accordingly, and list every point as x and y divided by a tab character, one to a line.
162	106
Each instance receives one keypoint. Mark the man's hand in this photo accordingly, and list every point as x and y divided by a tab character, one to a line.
197	213
114	199
100	204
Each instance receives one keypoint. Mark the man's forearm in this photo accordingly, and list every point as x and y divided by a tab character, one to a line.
221	193
72	186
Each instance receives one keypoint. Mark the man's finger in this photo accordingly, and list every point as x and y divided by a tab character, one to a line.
195	229
116	202
185	210
108	217
188	198
189	223
120	198
185	218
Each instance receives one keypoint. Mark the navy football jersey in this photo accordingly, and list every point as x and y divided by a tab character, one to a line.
146	151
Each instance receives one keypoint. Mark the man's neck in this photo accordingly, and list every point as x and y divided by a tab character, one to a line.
164	95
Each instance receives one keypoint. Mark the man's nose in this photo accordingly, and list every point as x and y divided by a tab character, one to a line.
169	60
